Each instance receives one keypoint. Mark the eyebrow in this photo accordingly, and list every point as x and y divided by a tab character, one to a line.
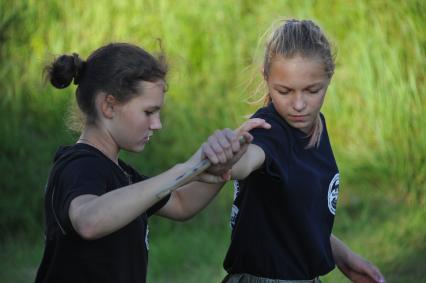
153	108
309	86
281	86
315	85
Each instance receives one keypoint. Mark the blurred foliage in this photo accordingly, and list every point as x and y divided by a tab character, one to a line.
375	107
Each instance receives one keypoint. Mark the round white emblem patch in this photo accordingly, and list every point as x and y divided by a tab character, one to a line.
333	193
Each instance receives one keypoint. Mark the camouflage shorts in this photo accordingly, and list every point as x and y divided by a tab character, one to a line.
247	278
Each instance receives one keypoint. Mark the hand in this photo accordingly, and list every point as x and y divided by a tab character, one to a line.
223	149
252	124
360	270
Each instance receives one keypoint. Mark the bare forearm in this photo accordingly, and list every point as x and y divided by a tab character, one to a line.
94	216
353	266
339	250
196	196
193	197
250	161
99	216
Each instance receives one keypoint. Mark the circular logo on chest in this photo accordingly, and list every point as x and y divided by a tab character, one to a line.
333	194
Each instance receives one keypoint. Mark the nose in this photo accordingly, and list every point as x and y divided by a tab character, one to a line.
155	123
299	102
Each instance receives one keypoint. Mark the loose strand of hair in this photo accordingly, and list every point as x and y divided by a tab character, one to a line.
315	134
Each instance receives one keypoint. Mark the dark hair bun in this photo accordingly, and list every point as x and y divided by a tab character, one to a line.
64	69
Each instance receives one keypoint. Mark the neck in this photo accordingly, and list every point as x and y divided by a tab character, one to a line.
101	140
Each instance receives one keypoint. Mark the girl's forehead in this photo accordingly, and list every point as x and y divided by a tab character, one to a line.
297	61
148	94
156	86
297	68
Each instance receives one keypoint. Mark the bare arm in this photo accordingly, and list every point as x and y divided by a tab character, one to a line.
252	158
189	199
96	216
352	265
250	161
193	197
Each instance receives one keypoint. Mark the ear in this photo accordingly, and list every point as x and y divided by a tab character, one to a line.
108	103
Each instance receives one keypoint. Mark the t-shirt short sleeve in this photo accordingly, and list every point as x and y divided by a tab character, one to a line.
85	175
274	142
156	207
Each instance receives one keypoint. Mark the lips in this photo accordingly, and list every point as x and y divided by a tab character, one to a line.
298	118
145	139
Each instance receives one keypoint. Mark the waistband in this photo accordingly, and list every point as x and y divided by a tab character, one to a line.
248	278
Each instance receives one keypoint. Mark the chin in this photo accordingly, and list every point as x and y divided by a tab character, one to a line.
140	148
136	148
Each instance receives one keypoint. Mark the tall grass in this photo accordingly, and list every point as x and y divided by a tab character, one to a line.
375	106
382	59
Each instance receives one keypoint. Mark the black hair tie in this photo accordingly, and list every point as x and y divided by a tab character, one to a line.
80	66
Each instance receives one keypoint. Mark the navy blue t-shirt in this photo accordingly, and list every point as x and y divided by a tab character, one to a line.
119	257
283	213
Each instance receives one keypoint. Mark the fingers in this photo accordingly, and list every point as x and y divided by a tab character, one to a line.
213	142
248	138
214	179
374	273
219	147
252	124
223	145
208	152
226	138
367	271
232	137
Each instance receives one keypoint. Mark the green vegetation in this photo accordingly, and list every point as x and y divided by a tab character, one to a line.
375	111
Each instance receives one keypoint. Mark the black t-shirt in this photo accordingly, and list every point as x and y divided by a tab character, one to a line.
119	257
283	213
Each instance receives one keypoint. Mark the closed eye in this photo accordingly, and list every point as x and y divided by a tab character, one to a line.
283	91
314	91
150	112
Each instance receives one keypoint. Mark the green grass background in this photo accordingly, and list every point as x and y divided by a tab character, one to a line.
375	110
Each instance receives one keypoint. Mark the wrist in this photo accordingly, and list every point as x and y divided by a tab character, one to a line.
185	169
181	168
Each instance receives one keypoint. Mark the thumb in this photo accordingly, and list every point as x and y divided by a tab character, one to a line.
251	124
210	178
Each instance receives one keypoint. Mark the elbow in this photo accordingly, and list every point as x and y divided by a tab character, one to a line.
181	211
87	227
86	224
87	230
185	217
89	234
181	216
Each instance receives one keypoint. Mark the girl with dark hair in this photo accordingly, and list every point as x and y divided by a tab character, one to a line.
97	206
288	181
